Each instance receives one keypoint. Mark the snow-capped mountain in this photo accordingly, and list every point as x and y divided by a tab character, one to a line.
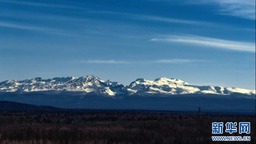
88	85
91	92
161	86
176	86
96	86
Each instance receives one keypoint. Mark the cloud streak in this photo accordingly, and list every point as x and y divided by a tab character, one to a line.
19	26
238	8
153	18
27	3
40	29
159	61
208	42
166	20
178	61
105	62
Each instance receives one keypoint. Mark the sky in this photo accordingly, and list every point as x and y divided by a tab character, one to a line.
201	42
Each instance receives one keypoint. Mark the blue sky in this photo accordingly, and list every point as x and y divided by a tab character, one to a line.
202	42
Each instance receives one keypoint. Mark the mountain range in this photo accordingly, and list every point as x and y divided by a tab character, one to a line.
96	86
91	92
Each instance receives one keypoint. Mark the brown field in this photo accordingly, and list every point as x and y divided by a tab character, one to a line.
111	127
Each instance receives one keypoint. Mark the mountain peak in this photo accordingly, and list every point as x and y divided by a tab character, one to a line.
140	80
164	80
91	77
36	78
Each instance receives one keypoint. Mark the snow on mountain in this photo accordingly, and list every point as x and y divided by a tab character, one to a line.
161	86
88	84
94	85
176	86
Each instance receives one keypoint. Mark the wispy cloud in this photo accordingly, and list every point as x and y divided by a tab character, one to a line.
105	62
29	3
159	61
166	19
19	26
153	18
40	29
239	8
178	61
208	42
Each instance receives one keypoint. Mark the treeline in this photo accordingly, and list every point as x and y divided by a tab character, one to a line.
109	127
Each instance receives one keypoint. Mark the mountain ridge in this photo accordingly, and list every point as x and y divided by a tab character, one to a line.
94	85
